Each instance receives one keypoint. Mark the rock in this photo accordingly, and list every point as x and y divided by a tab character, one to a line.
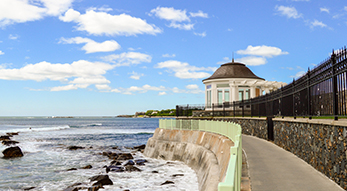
12	152
131	168
70	169
177	175
98	177
11	134
71	189
9	142
75	147
110	155
125	156
114	169
167	182
129	162
115	162
4	137
154	171
140	161
87	167
115	147
29	188
95	188
140	147
105	180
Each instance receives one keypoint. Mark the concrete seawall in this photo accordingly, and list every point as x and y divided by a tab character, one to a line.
206	153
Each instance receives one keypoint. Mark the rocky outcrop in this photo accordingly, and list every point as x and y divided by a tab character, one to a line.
12	152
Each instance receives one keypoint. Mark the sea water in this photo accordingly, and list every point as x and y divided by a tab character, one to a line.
46	160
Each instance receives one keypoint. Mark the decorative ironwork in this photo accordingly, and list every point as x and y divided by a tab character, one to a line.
322	91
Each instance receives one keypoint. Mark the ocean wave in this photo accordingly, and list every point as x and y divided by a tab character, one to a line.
86	125
34	129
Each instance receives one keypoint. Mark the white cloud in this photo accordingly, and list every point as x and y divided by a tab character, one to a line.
170	14
289	12
169	55
266	51
1	52
253	60
316	23
102	87
199	14
102	23
20	11
127	58
136	76
177	16
323	9
134	89
92	46
184	70
190	89
200	34
13	37
298	75
79	74
182	26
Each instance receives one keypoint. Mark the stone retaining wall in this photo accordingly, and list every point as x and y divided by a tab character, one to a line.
206	153
321	143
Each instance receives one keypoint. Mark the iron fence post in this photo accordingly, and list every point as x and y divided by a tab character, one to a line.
334	81
308	95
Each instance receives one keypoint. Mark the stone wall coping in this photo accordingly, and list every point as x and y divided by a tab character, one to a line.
340	122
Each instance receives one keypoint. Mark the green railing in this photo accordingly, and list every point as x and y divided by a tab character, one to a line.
231	130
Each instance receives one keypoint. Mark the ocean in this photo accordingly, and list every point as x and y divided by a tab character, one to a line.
47	160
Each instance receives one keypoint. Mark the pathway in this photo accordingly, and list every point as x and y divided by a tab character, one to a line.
272	168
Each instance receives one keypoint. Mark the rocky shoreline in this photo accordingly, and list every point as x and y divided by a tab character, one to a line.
116	161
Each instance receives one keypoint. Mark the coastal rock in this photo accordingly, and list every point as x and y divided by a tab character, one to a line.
140	147
140	161
154	171
71	189
110	155
115	162
167	182
12	152
125	156
114	169
4	137
129	162
175	175
131	168
29	188
87	167
103	180
95	188
75	147
71	169
9	142
11	134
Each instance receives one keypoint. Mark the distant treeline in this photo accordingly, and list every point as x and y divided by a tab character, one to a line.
164	112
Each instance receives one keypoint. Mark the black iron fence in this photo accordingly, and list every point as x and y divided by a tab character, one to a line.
322	91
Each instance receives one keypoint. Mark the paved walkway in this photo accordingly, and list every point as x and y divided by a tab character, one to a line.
272	168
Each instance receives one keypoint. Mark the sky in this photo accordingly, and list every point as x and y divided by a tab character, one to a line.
113	57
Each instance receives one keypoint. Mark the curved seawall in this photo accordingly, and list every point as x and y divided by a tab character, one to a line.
206	153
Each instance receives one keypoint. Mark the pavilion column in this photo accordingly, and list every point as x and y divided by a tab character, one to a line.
252	91
234	92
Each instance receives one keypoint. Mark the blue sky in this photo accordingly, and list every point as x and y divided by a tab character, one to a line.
111	57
